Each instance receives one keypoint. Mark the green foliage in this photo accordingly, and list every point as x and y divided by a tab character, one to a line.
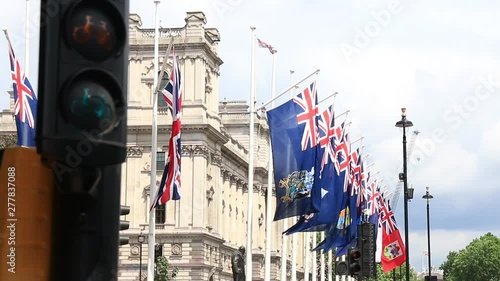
448	265
480	260
163	270
400	274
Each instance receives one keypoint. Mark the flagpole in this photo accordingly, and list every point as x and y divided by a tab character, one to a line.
267	265
330	265
27	40
286	90
154	144
307	255
322	260
249	261
284	238
314	264
294	220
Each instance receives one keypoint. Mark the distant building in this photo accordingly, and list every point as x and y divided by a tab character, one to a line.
435	272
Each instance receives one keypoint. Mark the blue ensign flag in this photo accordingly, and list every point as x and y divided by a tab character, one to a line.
294	140
331	180
25	103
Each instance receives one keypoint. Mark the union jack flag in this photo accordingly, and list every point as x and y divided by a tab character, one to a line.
373	197
387	220
171	180
326	125
307	100
25	108
263	44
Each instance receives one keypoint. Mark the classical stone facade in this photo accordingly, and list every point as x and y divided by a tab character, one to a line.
199	232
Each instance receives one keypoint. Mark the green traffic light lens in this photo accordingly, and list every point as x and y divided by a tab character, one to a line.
91	102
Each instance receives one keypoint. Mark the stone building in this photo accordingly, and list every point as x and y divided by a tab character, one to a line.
199	232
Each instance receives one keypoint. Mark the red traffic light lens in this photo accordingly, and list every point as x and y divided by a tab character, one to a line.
96	31
355	255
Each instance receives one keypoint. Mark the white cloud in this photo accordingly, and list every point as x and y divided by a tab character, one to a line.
490	142
442	242
445	167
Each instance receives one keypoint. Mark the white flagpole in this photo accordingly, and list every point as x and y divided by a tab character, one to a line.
284	250
249	260
267	265
294	236
154	144
330	265
284	240
307	255
322	260
314	263
27	40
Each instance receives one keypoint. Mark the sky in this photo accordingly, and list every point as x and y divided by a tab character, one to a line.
440	60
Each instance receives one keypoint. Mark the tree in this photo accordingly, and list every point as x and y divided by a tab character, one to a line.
448	265
480	260
163	270
388	276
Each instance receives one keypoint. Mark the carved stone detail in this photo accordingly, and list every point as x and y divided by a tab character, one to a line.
210	194
176	249
257	188
8	140
134	250
135	151
217	159
201	150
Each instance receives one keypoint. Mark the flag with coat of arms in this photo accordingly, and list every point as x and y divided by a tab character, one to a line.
393	250
294	137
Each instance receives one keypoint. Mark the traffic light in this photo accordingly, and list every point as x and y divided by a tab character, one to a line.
367	245
81	126
124	225
83	71
354	261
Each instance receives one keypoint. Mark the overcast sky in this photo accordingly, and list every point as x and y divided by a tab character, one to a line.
438	59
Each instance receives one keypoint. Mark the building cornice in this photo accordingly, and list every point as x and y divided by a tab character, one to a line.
207	129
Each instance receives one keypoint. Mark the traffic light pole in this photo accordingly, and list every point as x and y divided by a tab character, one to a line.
86	225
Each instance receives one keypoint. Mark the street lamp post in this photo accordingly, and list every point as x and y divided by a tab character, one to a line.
404	123
428	198
141	238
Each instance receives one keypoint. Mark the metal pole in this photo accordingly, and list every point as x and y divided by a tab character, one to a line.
249	260
405	182
140	261
428	235
154	148
394	274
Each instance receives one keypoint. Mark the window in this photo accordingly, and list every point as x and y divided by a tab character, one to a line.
160	161
160	214
161	100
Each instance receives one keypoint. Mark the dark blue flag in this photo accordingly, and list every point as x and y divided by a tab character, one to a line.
25	103
338	233
331	181
293	128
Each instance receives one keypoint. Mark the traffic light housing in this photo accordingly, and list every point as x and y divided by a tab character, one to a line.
83	71
367	245
124	224
354	261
